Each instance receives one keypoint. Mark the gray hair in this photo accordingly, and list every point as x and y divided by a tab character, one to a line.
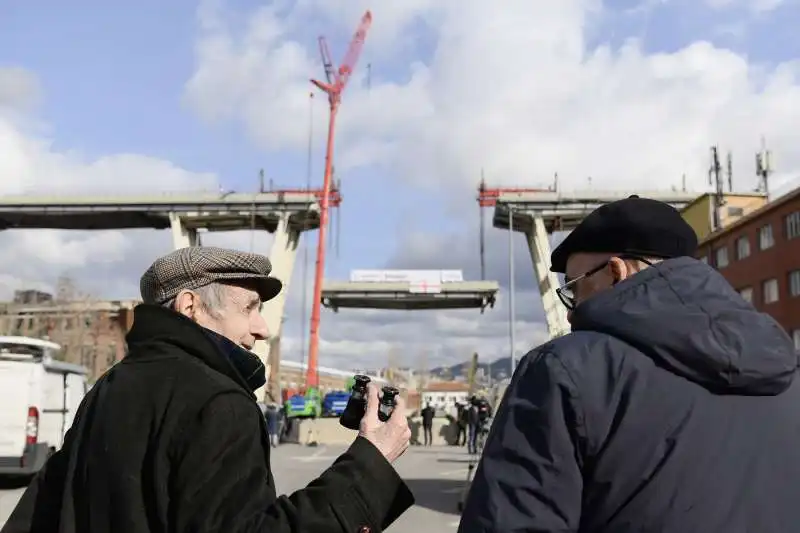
212	299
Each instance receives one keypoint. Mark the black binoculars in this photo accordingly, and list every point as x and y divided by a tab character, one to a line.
357	404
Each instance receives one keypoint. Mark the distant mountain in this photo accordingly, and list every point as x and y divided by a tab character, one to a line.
499	369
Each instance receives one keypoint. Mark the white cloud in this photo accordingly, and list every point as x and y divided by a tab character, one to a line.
517	91
29	165
755	6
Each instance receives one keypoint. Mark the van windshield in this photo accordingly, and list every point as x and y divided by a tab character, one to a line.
21	349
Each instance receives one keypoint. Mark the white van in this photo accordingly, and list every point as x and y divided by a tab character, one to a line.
39	397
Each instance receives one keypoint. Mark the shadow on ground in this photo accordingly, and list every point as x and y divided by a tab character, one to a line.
441	495
463	460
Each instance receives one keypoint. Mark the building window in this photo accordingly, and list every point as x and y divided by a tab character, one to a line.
765	239
111	358
735	211
722	256
742	247
87	357
793	225
746	294
770	291
794	283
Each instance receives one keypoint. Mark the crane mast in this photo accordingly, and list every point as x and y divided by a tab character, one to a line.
333	87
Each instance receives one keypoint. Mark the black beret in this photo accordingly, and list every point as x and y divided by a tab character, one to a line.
635	226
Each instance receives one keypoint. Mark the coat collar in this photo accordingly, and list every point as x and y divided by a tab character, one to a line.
153	323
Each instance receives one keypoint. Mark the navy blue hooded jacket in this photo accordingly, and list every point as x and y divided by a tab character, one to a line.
672	407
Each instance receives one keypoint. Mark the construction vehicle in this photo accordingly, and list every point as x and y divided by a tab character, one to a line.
334	403
307	405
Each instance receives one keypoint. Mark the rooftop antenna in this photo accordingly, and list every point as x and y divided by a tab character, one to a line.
261	180
730	171
715	177
683	182
763	168
555	182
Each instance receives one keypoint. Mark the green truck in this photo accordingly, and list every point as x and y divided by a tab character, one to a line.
308	405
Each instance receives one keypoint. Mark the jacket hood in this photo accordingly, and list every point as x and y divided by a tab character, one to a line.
686	317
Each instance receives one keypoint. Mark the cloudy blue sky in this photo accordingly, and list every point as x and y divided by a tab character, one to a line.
124	96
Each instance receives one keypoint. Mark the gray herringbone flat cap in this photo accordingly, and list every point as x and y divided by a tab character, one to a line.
197	266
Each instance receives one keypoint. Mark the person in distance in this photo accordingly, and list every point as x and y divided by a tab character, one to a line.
171	439
672	406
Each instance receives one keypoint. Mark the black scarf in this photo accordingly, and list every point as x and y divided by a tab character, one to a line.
246	363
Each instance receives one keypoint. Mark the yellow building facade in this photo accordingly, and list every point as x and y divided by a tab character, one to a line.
700	213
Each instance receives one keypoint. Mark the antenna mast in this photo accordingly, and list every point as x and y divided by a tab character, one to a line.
763	168
335	85
715	174
730	171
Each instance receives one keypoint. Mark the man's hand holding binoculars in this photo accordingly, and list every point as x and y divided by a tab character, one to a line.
390	437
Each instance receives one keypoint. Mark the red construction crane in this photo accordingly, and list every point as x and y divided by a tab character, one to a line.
488	198
336	82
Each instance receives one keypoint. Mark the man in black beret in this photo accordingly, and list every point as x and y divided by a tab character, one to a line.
172	439
672	406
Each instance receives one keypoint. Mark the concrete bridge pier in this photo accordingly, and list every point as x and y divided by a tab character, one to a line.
282	255
539	246
182	237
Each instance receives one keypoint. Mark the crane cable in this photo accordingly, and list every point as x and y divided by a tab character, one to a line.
304	308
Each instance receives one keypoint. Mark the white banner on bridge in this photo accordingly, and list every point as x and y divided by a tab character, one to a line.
424	287
406	276
452	276
368	276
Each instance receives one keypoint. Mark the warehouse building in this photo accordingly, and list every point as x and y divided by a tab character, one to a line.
759	254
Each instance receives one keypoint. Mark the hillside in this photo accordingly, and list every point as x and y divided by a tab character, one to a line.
499	369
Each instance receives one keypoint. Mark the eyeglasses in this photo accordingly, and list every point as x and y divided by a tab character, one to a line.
566	292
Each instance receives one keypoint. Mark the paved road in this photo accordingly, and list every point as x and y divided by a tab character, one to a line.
436	476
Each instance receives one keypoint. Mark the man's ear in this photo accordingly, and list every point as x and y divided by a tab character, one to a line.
187	304
619	269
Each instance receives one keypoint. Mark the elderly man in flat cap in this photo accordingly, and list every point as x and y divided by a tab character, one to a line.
673	406
172	439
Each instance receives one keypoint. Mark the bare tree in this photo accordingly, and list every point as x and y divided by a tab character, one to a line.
74	324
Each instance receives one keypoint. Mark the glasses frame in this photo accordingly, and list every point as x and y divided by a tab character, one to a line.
569	301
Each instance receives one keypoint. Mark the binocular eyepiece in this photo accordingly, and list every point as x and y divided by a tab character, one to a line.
388	402
357	404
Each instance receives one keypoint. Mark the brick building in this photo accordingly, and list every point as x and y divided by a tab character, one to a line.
91	334
759	255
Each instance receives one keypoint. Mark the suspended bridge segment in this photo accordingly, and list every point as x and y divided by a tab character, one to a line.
413	290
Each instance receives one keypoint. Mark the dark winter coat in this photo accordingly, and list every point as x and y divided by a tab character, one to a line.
172	440
427	413
273	420
673	407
